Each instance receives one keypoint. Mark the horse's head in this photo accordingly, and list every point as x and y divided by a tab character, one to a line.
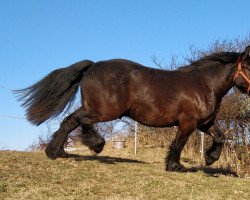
242	74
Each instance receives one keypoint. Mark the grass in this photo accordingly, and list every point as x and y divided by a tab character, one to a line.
114	174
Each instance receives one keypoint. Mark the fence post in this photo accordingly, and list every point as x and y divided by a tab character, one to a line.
202	145
136	130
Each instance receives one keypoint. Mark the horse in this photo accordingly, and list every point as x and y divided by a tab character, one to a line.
188	97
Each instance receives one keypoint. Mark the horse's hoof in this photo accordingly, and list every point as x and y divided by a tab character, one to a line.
211	157
50	152
176	167
93	153
97	148
54	153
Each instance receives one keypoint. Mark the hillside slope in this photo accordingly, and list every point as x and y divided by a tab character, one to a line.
114	174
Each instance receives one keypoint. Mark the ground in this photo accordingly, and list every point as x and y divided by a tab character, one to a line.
114	174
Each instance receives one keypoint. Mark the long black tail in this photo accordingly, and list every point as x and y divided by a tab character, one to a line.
48	97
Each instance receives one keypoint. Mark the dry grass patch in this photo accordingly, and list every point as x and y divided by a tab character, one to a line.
114	174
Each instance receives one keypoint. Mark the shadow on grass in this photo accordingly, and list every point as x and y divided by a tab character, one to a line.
104	159
214	172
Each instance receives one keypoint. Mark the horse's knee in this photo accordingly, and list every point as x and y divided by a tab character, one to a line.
220	139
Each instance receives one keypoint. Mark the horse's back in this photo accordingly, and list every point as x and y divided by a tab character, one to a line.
115	88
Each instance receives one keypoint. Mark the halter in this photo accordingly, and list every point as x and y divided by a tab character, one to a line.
241	72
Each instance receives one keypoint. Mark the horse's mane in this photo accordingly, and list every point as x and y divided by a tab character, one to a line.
222	57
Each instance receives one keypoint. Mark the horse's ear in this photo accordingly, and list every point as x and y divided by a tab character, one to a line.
246	53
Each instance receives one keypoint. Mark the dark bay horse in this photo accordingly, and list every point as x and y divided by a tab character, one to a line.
188	97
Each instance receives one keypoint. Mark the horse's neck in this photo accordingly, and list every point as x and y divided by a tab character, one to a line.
222	81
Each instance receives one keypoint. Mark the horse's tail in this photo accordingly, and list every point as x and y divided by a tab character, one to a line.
48	97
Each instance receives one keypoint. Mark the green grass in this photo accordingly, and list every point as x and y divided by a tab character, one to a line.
114	174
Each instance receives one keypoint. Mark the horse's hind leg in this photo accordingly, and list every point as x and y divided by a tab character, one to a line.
90	137
172	161
213	153
55	146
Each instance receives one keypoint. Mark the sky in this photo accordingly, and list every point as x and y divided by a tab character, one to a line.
37	37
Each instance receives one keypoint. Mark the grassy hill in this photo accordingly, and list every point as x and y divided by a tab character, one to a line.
114	174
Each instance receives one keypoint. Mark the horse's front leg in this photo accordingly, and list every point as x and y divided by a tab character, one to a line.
214	152
185	129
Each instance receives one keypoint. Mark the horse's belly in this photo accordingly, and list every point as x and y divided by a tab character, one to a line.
153	117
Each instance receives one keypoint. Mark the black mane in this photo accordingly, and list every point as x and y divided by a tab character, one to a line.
222	57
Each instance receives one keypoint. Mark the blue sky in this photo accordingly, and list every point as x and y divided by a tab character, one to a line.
37	37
